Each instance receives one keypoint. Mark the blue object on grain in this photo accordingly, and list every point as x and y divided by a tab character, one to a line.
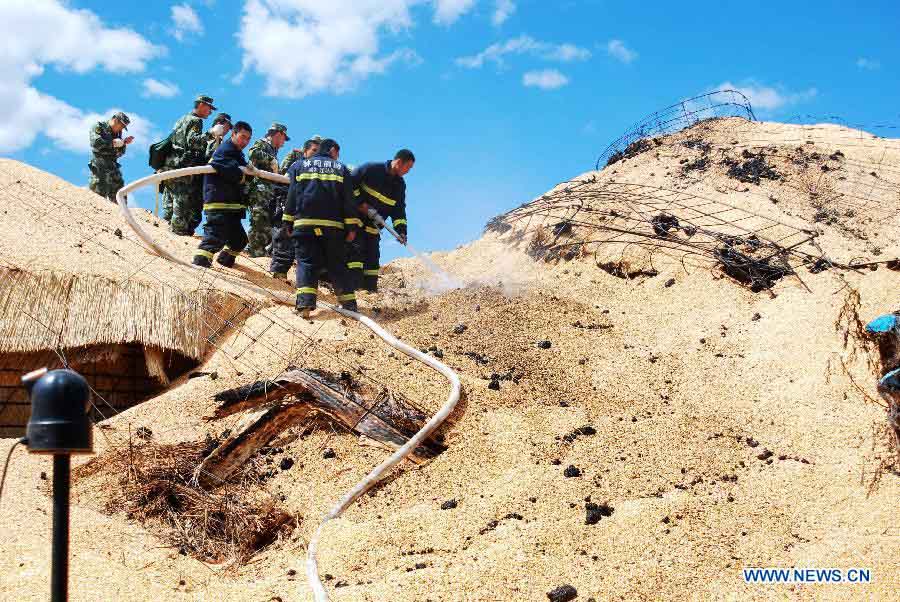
881	324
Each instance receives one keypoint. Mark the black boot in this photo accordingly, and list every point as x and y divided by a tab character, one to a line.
202	261
305	303
225	259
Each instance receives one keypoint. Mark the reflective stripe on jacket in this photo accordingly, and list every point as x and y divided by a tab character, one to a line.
374	185
320	194
223	190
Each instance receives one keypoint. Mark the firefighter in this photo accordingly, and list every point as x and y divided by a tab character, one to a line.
381	187
282	246
321	216
224	201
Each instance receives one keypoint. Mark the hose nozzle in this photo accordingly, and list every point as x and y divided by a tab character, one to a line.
376	217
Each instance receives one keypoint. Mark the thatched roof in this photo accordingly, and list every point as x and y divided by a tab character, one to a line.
72	274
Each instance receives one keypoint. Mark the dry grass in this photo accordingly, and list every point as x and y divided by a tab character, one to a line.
156	486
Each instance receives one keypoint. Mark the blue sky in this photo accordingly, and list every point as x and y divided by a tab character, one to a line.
499	99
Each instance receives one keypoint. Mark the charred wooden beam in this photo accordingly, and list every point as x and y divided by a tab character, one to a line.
252	433
385	418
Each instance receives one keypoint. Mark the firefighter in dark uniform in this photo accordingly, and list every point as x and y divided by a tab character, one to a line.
282	246
380	186
224	201
321	216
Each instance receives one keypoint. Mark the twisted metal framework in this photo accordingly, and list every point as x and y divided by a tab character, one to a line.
610	218
709	208
721	103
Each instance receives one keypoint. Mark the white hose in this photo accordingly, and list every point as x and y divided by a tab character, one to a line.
312	571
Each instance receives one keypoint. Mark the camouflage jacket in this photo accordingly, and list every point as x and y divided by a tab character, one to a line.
292	156
188	143
262	153
212	143
260	156
102	142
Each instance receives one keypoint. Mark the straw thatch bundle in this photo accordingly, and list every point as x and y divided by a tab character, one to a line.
75	281
50	310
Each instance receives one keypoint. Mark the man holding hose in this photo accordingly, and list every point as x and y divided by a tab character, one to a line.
380	187
224	201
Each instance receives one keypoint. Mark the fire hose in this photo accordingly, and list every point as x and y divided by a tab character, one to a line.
402	452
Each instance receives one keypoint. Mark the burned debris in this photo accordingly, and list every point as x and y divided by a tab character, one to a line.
751	168
632	150
157	487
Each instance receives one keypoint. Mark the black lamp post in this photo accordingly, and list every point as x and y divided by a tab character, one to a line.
59	425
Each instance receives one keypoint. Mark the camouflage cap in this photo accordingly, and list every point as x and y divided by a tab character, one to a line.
316	138
222	118
205	99
123	118
279	127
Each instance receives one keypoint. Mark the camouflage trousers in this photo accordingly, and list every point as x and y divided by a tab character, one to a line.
183	204
260	233
106	178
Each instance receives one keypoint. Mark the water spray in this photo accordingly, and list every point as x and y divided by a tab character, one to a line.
445	280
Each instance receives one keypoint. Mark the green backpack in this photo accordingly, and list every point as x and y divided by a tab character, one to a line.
159	152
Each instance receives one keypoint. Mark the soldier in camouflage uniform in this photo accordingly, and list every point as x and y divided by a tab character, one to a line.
214	135
107	146
183	197
301	153
263	156
283	246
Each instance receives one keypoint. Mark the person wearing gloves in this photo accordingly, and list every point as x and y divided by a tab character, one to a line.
107	145
320	215
214	135
264	157
283	246
224	201
381	189
183	197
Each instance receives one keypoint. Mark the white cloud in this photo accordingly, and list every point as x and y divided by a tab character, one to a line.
618	50
768	98
185	20
503	10
546	79
49	33
446	12
162	89
524	45
301	47
867	64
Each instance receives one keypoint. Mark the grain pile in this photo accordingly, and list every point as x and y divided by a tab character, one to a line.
634	438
